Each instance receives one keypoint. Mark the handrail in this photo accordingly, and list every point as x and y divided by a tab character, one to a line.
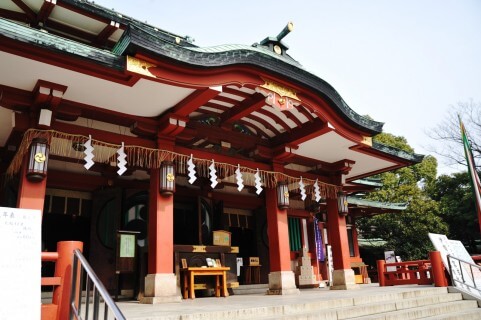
92	285
458	276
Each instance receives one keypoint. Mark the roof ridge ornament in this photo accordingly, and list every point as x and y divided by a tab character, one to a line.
275	44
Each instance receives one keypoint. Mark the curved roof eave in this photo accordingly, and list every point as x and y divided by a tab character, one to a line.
404	155
220	56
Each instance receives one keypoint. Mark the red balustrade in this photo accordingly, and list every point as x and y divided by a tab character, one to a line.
420	272
62	280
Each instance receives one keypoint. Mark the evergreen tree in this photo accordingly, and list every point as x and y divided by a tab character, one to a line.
406	232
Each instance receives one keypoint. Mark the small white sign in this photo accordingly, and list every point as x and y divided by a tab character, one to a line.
330	263
20	266
390	257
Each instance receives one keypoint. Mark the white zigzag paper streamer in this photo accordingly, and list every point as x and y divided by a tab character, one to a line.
258	182
191	168
302	187
121	162
240	181
213	176
317	191
88	153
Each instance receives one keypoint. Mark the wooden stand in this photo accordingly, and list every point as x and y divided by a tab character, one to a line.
189	274
252	274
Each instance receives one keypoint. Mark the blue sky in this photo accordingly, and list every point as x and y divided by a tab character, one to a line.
401	62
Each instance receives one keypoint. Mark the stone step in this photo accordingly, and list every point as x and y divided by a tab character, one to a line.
395	305
395	296
251	289
424	311
370	311
472	314
343	308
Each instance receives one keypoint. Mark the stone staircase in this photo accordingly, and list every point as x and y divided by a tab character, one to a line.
250	289
425	303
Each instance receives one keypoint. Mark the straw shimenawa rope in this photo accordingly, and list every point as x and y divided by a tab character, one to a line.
61	145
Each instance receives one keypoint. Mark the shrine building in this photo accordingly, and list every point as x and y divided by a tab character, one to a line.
109	124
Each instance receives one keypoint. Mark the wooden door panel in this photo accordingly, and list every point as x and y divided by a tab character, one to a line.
105	221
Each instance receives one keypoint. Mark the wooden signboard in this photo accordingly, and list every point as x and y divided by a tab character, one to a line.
125	258
126	251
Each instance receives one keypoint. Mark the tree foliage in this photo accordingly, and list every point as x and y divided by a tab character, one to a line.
406	232
457	207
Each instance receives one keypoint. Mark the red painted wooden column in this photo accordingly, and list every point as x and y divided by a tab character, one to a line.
278	232
438	269
355	238
161	228
160	282
31	195
281	277
336	227
343	276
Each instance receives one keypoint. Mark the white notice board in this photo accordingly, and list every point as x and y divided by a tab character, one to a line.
20	247
459	272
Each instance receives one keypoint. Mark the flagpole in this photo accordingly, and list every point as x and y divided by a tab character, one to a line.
475	182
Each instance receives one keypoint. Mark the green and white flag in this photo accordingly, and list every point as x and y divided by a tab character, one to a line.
475	182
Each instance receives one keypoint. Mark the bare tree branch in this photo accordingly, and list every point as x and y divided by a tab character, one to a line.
449	133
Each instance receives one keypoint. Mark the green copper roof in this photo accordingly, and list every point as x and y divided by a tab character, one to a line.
25	34
377	204
413	157
368	182
138	39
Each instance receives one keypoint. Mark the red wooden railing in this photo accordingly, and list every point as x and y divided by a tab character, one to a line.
62	280
413	272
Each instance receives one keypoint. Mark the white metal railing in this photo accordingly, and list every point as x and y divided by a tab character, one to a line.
465	275
94	289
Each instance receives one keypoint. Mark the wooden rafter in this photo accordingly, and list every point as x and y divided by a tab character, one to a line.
45	10
258	130
307	132
265	123
13	15
236	92
303	110
216	106
276	119
244	109
194	101
105	34
32	16
227	100
292	117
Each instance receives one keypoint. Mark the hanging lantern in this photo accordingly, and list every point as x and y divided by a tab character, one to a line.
342	204
167	178
282	195
38	160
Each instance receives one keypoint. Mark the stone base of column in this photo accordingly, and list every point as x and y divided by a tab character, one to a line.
161	288
343	280
282	283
